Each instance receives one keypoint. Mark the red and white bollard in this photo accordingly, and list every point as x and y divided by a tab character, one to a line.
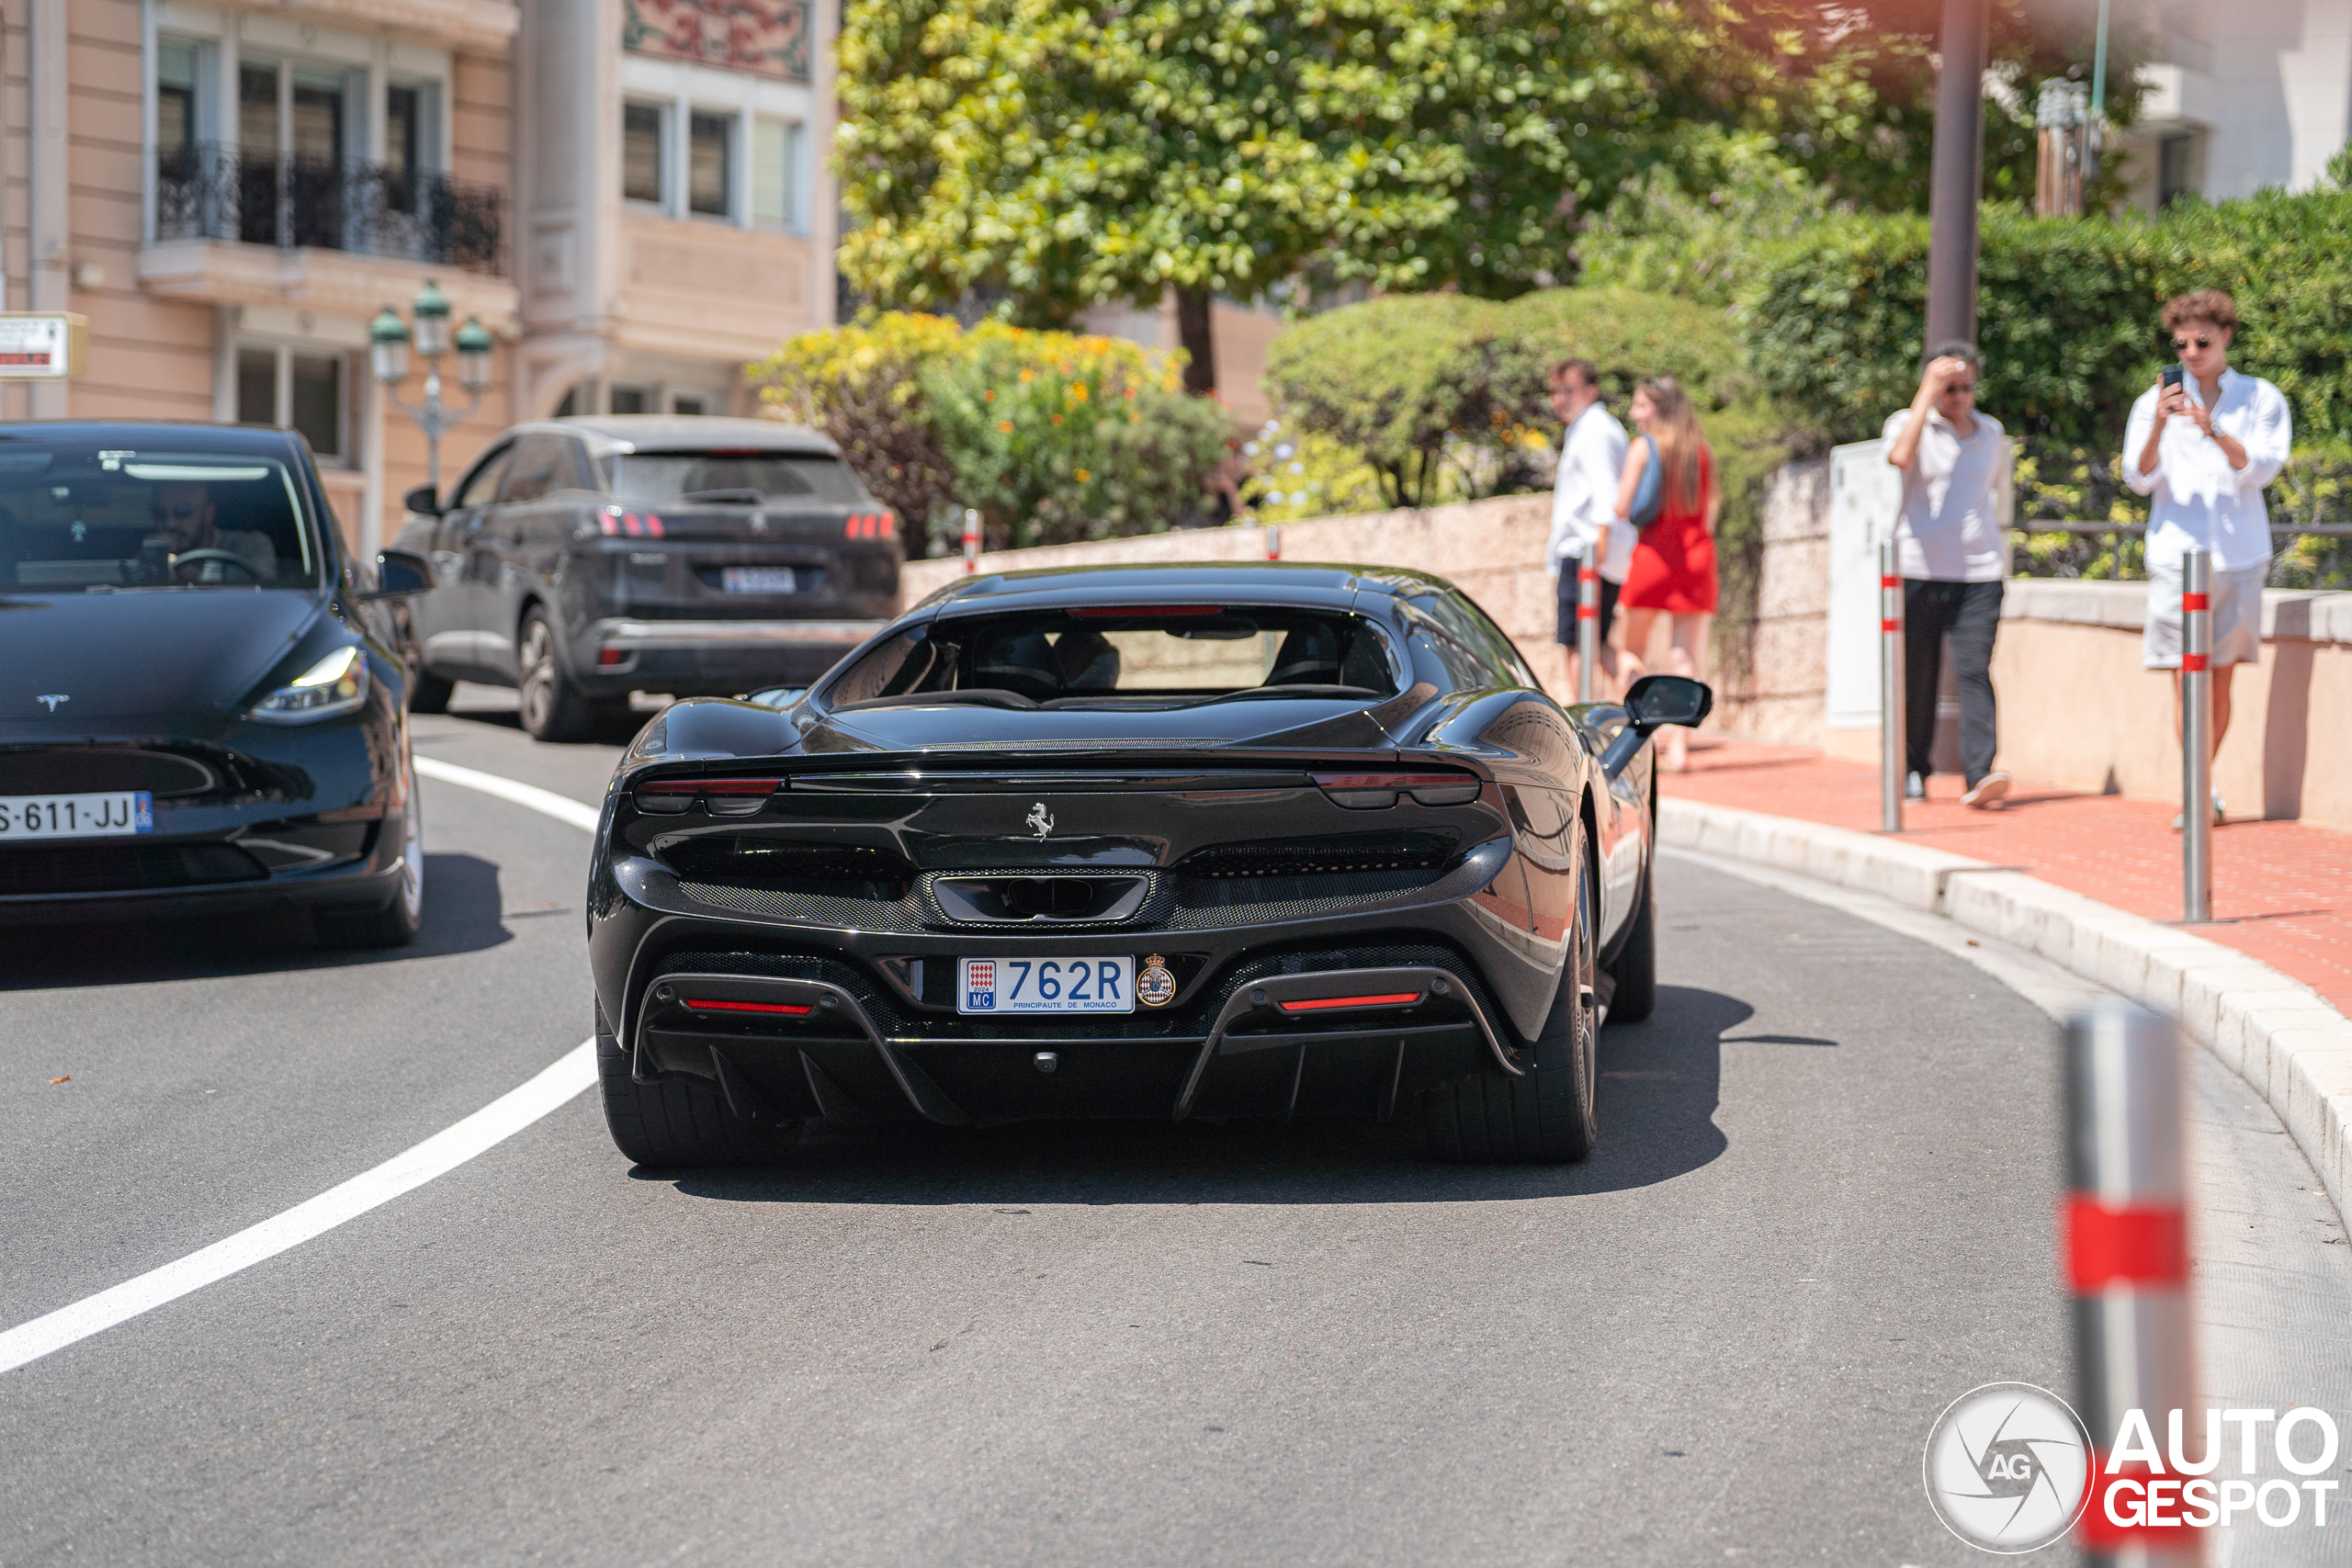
1891	747
1587	622
2125	1245
1274	541
971	540
2196	736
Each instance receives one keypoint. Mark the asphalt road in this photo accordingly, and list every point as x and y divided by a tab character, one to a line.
1821	1212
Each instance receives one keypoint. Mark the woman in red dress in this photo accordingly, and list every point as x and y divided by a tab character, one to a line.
1674	558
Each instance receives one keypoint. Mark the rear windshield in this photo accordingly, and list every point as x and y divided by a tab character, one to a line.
87	519
720	477
1081	657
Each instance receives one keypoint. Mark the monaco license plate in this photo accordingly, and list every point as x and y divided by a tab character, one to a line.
1047	984
760	580
76	816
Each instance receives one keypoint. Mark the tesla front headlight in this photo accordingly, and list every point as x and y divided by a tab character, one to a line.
335	685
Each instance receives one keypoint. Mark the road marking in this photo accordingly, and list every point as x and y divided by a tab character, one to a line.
563	808
438	1155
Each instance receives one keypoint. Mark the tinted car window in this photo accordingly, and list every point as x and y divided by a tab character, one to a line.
479	487
722	477
1475	635
1055	655
76	519
539	466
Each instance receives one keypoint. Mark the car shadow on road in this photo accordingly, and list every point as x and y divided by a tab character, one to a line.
462	914
1658	1083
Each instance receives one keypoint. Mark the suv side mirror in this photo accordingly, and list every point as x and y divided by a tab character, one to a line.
398	575
423	502
1651	702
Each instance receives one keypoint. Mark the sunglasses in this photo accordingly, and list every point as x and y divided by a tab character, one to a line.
2181	342
1964	389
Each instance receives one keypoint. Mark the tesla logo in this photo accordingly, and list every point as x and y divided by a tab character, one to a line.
1041	821
61	697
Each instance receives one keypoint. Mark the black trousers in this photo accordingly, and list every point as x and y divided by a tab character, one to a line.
1970	614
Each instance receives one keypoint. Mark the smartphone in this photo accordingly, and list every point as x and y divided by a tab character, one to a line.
2173	376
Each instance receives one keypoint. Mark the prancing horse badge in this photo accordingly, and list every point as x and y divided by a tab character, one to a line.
1041	821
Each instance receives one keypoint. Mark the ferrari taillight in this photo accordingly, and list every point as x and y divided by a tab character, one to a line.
725	797
1360	791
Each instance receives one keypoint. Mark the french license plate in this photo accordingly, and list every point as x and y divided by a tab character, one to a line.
1047	984
760	580
76	816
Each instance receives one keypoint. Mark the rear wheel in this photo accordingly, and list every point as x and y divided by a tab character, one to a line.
678	1124
1545	1116
553	708
429	694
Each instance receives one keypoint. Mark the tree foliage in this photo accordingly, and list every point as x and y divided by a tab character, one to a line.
1052	436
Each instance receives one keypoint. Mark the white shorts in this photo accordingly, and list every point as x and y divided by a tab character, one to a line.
2236	600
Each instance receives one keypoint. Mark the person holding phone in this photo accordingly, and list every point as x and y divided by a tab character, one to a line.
1953	553
2201	444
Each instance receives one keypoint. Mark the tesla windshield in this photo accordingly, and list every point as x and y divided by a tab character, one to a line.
84	519
1153	654
738	477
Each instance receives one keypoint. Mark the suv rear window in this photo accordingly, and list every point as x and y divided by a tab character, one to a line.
722	478
1079	655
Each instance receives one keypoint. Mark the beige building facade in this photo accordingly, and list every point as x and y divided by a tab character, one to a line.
630	195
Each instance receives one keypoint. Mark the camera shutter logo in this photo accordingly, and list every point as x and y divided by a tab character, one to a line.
2007	1467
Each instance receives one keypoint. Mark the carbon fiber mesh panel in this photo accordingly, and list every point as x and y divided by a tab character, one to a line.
902	915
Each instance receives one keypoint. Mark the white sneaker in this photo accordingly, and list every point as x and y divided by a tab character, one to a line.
1913	787
2220	814
1992	786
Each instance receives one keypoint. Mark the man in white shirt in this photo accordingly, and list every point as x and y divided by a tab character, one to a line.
2202	450
1583	513
1953	553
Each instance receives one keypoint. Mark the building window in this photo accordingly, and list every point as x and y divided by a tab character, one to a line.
775	165
295	390
642	152
629	399
687	405
2176	168
174	102
710	164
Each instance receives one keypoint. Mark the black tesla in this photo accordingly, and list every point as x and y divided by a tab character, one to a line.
1209	841
201	691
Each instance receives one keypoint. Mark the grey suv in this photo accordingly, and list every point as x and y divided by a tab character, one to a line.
581	559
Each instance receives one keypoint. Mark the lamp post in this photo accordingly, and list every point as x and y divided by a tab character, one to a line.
388	339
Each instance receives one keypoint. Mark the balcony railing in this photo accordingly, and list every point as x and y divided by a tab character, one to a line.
212	191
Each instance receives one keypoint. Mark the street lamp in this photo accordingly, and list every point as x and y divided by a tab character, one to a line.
388	340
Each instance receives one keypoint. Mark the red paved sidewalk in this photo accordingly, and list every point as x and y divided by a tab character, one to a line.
2282	892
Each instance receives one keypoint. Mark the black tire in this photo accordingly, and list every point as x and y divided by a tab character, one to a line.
677	1125
1634	969
429	692
552	707
1546	1117
397	923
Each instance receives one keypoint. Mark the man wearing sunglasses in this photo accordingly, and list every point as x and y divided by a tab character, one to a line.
1953	552
2202	449
184	523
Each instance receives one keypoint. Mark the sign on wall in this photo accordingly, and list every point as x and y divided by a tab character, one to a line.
766	37
42	346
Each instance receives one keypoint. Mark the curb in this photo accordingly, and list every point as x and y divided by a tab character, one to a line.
2273	1030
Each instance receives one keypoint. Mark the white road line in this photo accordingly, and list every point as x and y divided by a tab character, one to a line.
436	1156
561	808
441	1153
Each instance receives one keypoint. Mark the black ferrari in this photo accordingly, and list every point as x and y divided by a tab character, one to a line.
1216	840
201	691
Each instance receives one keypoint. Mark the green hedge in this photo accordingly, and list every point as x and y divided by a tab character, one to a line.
2067	313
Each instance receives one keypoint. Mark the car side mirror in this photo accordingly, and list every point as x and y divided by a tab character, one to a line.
1652	703
422	501
398	575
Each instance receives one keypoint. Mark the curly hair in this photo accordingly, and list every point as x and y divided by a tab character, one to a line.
2201	305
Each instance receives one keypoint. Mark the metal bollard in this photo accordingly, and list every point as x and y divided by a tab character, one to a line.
1274	541
1891	747
2196	736
1587	622
971	540
2126	1256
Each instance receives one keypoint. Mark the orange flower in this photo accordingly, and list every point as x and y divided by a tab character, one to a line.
1083	476
989	395
1005	425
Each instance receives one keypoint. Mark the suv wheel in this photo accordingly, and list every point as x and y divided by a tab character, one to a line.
553	708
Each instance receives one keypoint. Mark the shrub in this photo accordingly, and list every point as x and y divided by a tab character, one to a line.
1701	237
2066	313
1052	436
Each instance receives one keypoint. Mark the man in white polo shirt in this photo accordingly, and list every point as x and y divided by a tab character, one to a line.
1583	515
2202	449
1953	553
